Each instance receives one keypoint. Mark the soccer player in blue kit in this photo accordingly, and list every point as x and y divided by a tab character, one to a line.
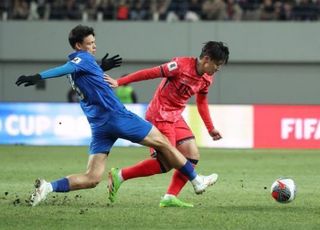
108	119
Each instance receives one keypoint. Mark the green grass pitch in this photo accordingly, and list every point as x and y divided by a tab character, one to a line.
240	200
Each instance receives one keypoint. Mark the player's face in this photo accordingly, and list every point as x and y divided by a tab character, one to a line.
88	44
211	66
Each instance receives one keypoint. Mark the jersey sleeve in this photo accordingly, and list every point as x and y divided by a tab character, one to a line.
171	68
58	71
141	75
203	109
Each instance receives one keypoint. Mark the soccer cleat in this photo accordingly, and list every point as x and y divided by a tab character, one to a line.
114	183
205	181
173	202
42	189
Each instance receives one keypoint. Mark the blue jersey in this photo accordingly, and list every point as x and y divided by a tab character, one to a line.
107	116
98	101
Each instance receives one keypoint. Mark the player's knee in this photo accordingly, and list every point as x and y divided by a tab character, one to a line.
194	162
93	181
165	167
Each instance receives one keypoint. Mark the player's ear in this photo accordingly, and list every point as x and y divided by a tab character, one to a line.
78	46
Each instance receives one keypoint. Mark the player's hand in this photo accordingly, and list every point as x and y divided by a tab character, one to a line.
112	82
215	134
110	63
28	80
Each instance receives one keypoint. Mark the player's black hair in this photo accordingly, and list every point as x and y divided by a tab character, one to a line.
78	33
216	51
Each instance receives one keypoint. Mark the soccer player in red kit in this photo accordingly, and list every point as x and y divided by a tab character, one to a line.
183	77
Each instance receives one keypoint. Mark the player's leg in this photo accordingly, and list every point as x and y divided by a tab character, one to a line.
190	151
148	167
89	179
176	160
187	146
169	156
133	128
152	165
137	130
178	180
93	175
99	149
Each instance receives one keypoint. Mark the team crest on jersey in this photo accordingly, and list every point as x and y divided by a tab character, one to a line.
76	60
172	65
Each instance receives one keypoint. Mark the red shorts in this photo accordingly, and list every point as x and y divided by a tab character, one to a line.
176	132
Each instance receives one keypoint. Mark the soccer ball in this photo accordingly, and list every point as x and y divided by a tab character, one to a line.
283	190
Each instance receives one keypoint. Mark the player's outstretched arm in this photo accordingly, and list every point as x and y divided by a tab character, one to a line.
140	75
28	80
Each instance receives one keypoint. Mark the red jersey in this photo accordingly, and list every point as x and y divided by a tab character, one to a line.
181	82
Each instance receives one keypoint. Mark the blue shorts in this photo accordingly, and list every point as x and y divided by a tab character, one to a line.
127	126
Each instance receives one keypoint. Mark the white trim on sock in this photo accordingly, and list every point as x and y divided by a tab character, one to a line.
49	185
168	196
120	175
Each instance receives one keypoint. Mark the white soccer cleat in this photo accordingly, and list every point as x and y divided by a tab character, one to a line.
42	189
202	182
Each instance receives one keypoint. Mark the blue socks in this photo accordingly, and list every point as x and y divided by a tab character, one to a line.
61	185
188	171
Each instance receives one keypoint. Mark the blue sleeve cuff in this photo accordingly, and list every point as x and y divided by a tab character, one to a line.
59	71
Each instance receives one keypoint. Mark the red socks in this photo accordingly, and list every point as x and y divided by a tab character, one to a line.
178	181
142	169
151	167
